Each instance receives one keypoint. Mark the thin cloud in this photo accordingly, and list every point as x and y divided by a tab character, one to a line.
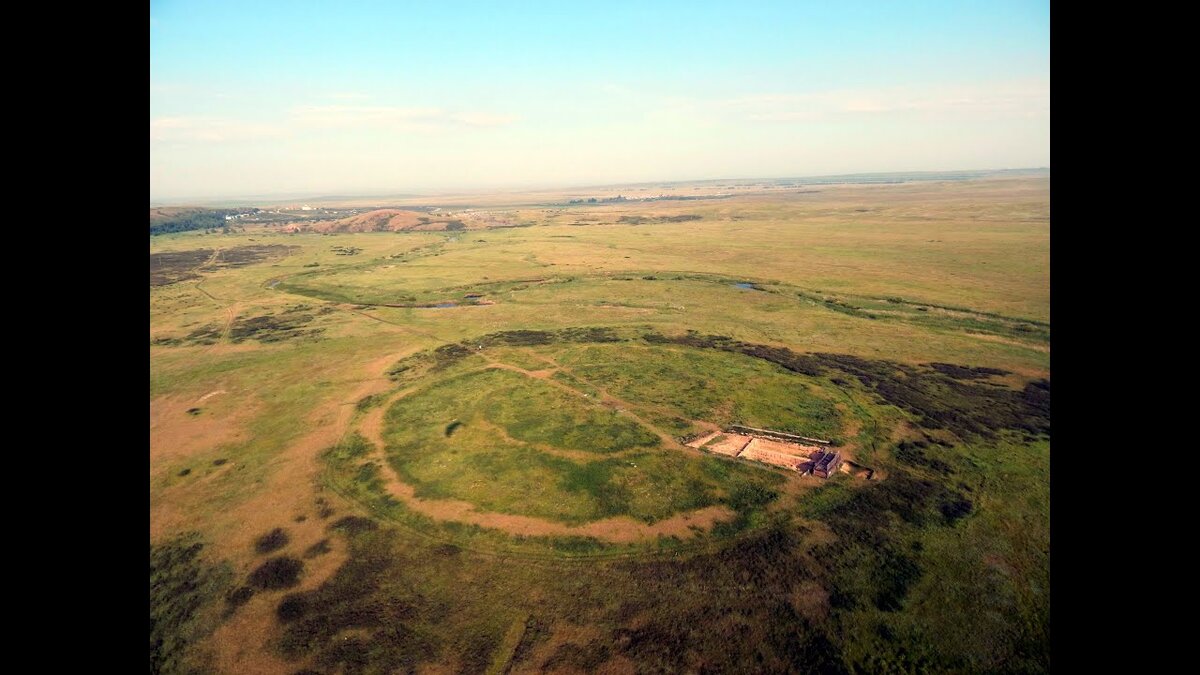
472	119
396	118
209	129
304	119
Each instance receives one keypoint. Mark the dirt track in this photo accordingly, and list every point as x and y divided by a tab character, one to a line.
243	643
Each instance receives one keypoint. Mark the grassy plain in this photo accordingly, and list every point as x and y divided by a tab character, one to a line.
258	371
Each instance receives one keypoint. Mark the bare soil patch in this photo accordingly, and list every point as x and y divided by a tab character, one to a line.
857	470
762	450
209	395
732	445
784	448
176	435
244	642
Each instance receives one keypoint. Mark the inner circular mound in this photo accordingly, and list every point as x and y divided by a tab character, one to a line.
581	433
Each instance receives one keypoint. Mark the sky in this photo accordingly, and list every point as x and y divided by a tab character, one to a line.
357	97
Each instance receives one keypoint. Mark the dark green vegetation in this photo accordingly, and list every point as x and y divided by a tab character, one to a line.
367	402
928	315
641	220
183	588
194	219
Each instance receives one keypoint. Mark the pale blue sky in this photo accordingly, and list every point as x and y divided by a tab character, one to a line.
260	98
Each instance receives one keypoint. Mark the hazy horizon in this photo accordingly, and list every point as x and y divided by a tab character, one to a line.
318	197
287	100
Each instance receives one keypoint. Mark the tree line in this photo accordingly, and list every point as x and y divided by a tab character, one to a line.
202	220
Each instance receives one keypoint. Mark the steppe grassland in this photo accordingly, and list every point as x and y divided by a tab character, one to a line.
979	246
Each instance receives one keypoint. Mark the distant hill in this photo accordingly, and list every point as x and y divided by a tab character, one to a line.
382	220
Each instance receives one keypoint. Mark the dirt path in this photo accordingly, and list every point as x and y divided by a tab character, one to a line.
988	337
400	326
230	308
242	644
536	374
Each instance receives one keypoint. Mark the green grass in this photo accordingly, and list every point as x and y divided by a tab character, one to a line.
502	457
185	592
718	387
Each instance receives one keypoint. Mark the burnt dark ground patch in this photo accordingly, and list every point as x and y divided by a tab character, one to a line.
174	266
938	399
371	593
942	402
354	525
238	597
324	510
292	607
320	548
663	626
441	357
966	372
537	631
243	256
271	541
276	573
290	324
207	334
